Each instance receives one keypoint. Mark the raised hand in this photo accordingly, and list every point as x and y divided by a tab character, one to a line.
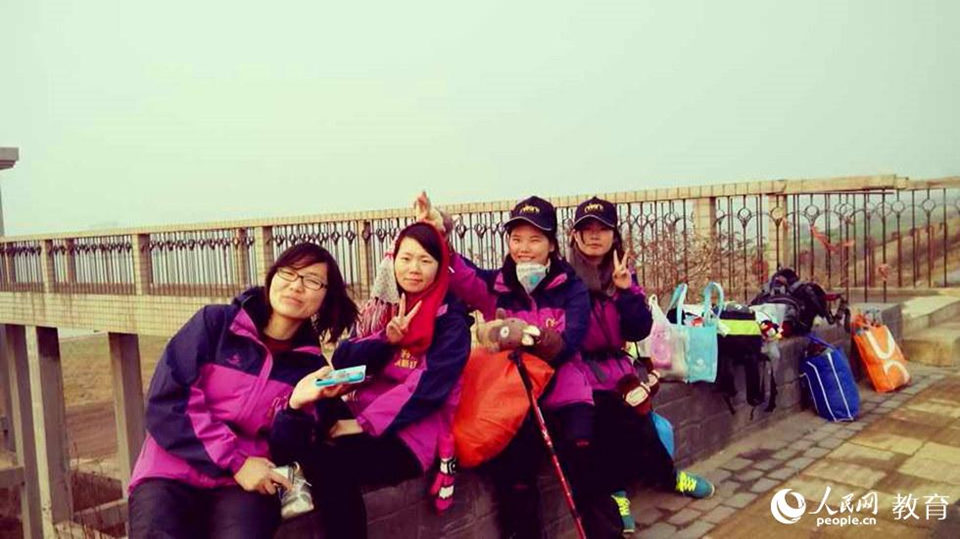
422	206
621	275
398	325
426	213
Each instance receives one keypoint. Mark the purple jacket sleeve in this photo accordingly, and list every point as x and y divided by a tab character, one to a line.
177	415
373	351
635	317
427	388
472	286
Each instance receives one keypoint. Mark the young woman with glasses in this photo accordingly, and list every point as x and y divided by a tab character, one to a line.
205	468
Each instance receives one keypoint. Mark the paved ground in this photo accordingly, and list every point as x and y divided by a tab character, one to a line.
904	443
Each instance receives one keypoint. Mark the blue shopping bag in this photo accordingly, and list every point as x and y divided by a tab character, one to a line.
699	329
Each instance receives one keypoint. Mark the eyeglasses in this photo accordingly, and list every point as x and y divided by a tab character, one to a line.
309	282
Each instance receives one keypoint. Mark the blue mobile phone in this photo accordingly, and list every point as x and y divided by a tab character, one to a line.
350	375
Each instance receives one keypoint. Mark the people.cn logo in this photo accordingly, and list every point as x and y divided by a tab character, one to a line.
783	511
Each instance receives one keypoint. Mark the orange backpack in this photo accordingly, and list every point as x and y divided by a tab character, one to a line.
886	366
493	403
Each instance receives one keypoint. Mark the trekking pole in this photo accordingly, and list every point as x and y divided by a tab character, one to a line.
548	441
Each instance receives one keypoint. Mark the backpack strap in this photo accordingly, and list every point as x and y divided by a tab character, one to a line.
725	381
772	403
753	377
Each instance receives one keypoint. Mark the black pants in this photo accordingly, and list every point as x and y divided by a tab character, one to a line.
167	509
515	470
341	466
628	448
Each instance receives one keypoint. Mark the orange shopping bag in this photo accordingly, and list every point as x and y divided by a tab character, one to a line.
493	403
886	366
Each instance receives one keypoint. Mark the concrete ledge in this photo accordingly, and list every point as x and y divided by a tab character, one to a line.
923	312
938	345
146	315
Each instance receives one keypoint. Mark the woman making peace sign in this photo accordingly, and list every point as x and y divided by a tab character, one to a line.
626	442
390	429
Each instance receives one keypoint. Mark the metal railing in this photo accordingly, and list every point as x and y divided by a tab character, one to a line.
850	234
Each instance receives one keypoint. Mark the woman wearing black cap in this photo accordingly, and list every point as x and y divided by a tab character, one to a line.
536	285
626	442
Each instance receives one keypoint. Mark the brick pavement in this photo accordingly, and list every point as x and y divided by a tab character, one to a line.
904	443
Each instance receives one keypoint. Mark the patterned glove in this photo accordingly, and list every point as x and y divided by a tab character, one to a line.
549	345
635	393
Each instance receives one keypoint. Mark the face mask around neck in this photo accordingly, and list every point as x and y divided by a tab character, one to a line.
531	274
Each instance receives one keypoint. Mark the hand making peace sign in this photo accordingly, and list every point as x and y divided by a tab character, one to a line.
621	275
426	213
397	327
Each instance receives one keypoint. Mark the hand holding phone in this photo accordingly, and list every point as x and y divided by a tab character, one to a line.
325	383
350	375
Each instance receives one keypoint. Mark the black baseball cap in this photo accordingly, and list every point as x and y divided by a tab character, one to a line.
596	208
535	211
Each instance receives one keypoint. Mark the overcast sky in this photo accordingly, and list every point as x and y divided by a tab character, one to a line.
136	113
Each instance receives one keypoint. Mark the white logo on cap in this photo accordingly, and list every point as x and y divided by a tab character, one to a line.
595	206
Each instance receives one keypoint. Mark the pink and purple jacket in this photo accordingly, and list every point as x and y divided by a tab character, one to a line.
214	394
613	321
560	302
410	396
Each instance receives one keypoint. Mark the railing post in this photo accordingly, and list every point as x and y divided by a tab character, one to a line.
142	264
53	457
263	250
9	265
705	232
46	265
71	261
127	401
21	415
705	217
241	257
365	259
9	433
778	242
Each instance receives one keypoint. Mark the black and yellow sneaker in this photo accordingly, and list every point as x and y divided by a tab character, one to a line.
623	506
694	486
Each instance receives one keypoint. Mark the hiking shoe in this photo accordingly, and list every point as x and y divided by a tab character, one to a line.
623	507
693	485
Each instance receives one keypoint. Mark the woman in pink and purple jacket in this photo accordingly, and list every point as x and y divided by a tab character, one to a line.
392	426
626	446
205	468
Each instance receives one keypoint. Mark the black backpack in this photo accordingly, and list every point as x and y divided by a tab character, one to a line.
742	349
804	301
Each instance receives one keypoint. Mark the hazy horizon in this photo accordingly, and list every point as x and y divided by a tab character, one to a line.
132	115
